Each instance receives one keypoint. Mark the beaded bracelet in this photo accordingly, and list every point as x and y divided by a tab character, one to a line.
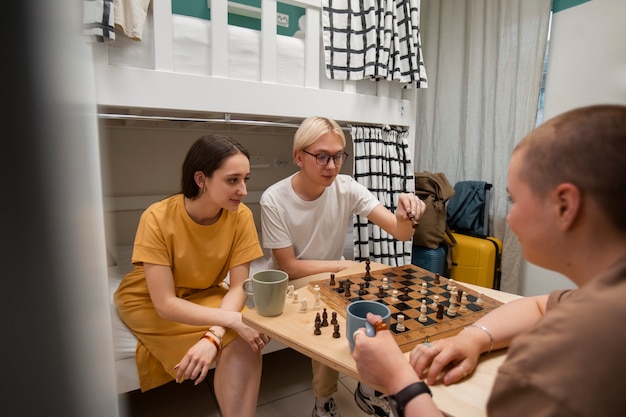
484	329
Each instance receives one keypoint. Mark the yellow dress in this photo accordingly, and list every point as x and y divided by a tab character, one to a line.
200	257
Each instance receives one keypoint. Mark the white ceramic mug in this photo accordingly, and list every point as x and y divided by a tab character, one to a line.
356	314
268	288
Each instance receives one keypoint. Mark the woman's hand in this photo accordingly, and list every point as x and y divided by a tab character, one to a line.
255	339
197	361
379	360
452	359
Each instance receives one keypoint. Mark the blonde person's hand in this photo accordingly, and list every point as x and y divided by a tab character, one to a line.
197	361
452	359
379	360
411	207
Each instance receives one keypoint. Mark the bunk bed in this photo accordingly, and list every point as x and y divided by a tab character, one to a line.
188	71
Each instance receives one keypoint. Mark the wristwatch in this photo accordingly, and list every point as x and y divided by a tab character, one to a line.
398	401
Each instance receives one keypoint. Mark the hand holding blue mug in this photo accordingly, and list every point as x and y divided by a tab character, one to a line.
356	318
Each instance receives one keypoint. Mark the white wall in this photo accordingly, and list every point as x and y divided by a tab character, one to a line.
586	65
147	161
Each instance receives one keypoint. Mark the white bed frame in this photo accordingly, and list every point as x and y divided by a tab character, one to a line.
121	87
162	92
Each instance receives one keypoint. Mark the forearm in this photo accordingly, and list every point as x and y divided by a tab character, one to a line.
184	311
298	268
506	322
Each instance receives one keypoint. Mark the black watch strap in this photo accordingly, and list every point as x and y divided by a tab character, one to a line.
401	399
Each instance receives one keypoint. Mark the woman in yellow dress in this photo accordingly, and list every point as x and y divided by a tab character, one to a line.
175	299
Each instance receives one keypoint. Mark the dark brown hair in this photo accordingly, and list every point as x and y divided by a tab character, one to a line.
207	154
585	147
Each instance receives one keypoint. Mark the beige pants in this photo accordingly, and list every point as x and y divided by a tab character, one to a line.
324	379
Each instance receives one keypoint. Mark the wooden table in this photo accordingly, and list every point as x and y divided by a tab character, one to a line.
295	329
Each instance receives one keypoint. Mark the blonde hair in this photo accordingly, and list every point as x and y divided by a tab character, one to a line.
312	128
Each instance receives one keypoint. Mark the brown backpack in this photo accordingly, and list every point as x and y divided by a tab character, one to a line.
435	190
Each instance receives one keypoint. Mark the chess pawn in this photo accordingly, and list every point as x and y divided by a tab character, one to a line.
423	290
435	302
479	300
400	323
450	284
336	333
422	318
394	296
295	297
290	290
303	305
385	283
423	307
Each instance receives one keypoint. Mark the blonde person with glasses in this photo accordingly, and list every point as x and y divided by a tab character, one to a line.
304	219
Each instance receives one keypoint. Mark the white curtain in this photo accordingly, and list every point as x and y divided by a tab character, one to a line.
381	163
375	39
484	60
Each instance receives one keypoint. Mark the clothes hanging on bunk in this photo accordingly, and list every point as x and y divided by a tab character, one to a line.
130	16
373	39
98	23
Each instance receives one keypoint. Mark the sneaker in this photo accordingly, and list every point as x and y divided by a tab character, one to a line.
331	409
377	405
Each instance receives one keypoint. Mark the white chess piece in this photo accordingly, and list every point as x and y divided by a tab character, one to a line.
450	284
423	307
422	318
400	324
316	292
452	308
385	283
423	290
394	296
479	300
295	297
435	301
303	305
290	290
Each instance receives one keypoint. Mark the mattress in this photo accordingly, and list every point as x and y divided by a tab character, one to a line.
192	51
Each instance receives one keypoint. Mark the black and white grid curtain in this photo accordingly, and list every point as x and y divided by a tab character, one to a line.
381	163
375	39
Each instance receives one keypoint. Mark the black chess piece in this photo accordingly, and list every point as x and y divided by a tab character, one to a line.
318	330
333	319
381	291
324	318
336	333
368	276
332	280
439	312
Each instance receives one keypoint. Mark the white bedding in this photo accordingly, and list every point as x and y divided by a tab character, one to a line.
192	51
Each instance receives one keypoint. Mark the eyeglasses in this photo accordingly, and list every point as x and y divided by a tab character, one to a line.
323	159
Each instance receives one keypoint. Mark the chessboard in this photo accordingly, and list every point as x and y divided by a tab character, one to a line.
407	290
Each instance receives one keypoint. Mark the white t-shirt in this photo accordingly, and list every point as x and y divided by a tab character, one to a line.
316	229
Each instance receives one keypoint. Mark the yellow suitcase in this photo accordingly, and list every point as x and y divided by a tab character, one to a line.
477	260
